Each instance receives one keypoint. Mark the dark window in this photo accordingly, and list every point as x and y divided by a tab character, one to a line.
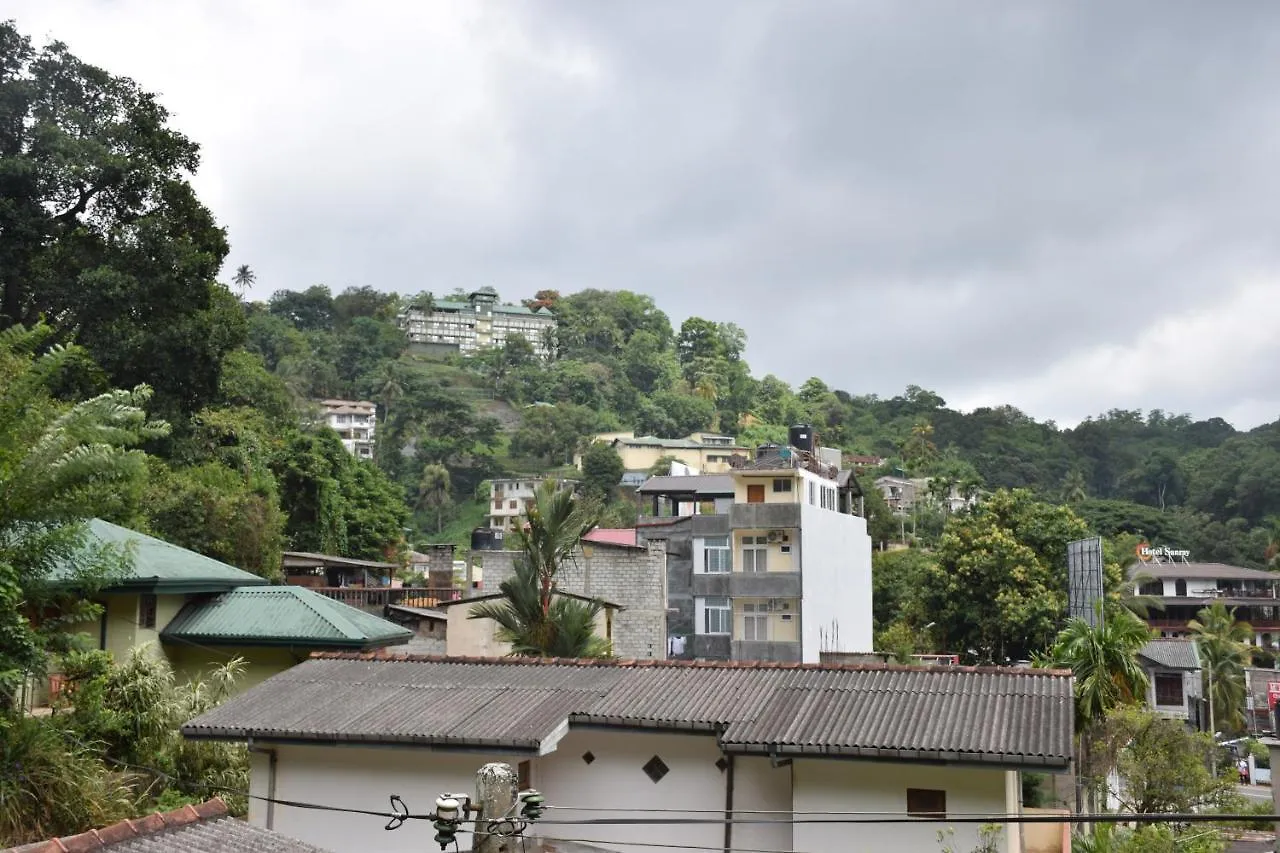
1179	587
1169	689
147	611
781	485
925	802
523	776
1151	588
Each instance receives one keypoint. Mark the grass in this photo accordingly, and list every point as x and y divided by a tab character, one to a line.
471	515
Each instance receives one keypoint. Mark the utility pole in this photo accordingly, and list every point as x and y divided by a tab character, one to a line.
1213	731
497	788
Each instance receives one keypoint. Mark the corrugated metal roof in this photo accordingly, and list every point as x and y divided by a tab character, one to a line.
203	828
700	484
622	536
1172	653
306	559
154	562
1200	571
281	615
1001	716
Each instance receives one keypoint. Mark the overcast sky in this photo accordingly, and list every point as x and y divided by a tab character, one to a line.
1068	207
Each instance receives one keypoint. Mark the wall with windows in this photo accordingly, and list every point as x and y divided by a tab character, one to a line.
753	552
782	488
766	620
836	575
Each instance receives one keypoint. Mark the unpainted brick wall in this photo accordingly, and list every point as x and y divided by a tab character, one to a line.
633	578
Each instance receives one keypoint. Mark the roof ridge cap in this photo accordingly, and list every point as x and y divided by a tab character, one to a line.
335	617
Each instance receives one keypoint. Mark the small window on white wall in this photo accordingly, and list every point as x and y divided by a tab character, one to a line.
714	615
717	555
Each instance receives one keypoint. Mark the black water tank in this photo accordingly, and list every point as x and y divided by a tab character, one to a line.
800	437
486	539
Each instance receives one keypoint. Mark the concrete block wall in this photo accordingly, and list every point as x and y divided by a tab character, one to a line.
634	578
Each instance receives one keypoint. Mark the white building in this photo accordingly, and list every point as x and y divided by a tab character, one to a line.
767	563
355	422
508	499
621	740
479	322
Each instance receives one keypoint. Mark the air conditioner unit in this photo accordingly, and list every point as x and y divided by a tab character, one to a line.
777	536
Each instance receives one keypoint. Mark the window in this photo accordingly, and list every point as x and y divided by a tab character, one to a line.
811	499
146	611
714	615
924	802
1179	587
782	485
1151	588
512	504
755	622
755	554
717	556
706	507
1169	689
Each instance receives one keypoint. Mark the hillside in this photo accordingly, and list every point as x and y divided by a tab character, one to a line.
618	363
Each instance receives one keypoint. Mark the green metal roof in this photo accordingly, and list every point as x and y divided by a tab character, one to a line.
159	566
281	616
454	305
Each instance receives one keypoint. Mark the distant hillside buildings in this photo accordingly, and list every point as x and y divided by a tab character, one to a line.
355	422
466	327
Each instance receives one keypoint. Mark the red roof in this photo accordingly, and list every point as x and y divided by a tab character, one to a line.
625	536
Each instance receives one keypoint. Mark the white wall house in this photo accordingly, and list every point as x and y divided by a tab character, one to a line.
355	422
510	497
478	322
606	740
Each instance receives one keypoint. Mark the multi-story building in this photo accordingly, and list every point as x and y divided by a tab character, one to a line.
477	323
768	562
902	494
509	498
704	452
355	422
1184	587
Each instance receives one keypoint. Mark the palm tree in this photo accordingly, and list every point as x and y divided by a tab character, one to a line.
565	629
1074	488
1104	659
1224	651
1105	662
244	278
556	520
433	491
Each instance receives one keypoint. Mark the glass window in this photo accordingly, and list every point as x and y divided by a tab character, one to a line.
923	802
717	555
716	615
146	611
755	622
782	485
755	554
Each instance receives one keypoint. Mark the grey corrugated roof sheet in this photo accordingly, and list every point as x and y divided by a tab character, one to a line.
1172	653
700	484
1012	717
1200	571
203	828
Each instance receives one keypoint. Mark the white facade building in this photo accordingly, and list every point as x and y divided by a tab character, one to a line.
622	740
355	422
509	498
479	322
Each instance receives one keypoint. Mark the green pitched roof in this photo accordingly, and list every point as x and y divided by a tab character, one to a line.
159	566
281	616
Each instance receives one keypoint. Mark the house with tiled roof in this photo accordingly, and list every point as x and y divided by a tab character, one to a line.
199	612
1174	679
204	828
608	742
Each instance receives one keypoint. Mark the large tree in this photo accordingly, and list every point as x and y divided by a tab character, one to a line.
60	464
100	231
998	590
1223	641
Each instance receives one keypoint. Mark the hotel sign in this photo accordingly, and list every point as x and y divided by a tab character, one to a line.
1150	552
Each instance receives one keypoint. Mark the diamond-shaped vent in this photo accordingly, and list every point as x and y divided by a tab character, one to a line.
655	768
722	763
588	757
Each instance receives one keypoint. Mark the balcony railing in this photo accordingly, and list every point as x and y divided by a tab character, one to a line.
377	597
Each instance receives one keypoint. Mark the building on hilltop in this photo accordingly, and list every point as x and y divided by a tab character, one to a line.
355	422
609	740
477	323
769	562
509	499
703	452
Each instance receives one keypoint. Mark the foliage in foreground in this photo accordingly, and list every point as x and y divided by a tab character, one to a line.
113	749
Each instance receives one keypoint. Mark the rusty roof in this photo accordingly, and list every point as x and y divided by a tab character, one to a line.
1000	716
203	828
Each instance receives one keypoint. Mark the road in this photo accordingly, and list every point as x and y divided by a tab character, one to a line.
1254	792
